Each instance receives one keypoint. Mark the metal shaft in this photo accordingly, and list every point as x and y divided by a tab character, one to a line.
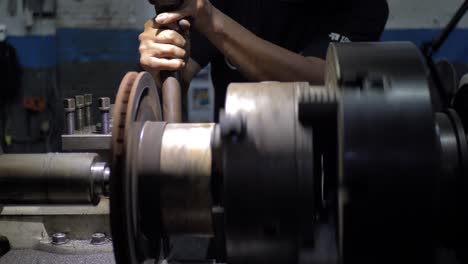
56	178
105	122
80	119
88	101
69	105
104	107
70	123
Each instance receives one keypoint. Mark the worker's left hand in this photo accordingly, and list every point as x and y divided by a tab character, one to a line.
198	10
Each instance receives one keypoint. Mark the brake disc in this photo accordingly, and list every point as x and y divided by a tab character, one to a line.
137	101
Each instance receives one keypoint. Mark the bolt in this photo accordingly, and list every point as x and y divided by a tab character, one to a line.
104	107
59	239
79	100
98	239
88	102
231	125
69	105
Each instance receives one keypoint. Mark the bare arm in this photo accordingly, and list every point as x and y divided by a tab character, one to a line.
256	59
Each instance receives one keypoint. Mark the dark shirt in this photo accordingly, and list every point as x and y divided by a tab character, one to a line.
302	26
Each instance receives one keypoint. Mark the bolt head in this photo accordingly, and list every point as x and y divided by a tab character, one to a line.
104	104
59	239
88	99
79	100
69	104
98	239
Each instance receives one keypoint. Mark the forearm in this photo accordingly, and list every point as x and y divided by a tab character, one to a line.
257	59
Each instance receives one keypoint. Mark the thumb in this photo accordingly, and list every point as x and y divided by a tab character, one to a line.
171	17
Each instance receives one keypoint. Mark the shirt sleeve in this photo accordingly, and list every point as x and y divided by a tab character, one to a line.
202	51
357	21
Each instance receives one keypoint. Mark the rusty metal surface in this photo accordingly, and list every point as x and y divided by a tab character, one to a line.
137	101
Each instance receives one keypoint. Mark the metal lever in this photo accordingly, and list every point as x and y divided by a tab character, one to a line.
171	88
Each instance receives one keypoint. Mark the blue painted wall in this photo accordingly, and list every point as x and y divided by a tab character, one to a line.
35	51
95	45
77	46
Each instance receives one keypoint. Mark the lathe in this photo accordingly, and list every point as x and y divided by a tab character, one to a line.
361	170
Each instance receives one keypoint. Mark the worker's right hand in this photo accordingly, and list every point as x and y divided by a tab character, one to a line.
164	48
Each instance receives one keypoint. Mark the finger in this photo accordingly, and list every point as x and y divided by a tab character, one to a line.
162	64
185	24
151	24
167	18
170	37
163	51
174	26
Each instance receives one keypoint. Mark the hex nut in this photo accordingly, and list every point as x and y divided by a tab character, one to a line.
69	104
79	101
59	239
104	104
88	99
98	239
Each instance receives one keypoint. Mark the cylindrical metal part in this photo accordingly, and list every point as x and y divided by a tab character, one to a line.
79	117
186	160
172	104
388	153
104	107
70	123
69	106
179	164
268	174
88	102
105	123
55	178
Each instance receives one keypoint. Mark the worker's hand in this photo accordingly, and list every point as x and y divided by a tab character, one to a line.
164	48
199	11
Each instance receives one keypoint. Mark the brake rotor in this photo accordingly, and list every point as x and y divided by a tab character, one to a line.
137	101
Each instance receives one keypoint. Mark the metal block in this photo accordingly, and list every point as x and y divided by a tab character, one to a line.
86	142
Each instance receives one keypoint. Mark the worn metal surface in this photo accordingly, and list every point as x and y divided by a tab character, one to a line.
101	209
36	256
172	100
86	142
28	230
268	173
55	178
185	179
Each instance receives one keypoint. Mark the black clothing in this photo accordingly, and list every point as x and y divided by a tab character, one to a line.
301	26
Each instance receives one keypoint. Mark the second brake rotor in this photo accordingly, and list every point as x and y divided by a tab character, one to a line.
137	101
